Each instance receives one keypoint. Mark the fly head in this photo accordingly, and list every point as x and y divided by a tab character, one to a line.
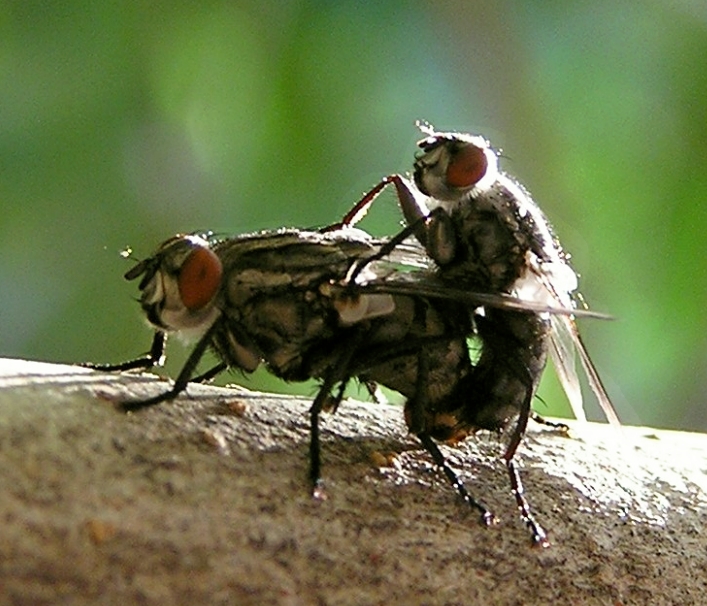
452	164
179	284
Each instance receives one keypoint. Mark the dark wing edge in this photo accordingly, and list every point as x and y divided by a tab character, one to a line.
427	288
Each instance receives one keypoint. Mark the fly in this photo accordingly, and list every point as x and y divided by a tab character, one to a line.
283	299
486	234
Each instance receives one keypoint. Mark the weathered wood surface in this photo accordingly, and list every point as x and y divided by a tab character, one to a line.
204	501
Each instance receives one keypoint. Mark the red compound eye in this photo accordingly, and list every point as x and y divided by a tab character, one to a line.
467	166
199	278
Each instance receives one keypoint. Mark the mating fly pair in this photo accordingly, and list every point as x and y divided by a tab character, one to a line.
339	305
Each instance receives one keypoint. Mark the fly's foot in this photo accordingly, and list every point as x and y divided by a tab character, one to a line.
488	519
318	491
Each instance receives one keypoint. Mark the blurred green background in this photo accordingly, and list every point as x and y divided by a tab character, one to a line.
122	123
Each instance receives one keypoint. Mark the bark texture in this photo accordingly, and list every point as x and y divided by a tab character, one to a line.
205	501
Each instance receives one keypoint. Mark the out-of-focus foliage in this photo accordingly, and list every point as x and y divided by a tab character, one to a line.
123	123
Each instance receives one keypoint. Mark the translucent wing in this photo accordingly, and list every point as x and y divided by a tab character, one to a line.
566	342
592	375
542	293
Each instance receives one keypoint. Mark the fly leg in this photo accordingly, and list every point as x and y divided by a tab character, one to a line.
315	454
360	264
539	535
417	407
339	371
487	518
412	209
537	532
375	394
210	374
361	207
438	218
514	354
182	380
433	229
540	420
154	357
417	425
331	403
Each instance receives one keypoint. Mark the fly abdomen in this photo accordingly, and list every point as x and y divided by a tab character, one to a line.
508	372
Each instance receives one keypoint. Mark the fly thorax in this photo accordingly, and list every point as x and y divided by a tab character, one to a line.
245	284
489	254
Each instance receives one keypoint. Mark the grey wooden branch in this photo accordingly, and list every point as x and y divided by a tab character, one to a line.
204	501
